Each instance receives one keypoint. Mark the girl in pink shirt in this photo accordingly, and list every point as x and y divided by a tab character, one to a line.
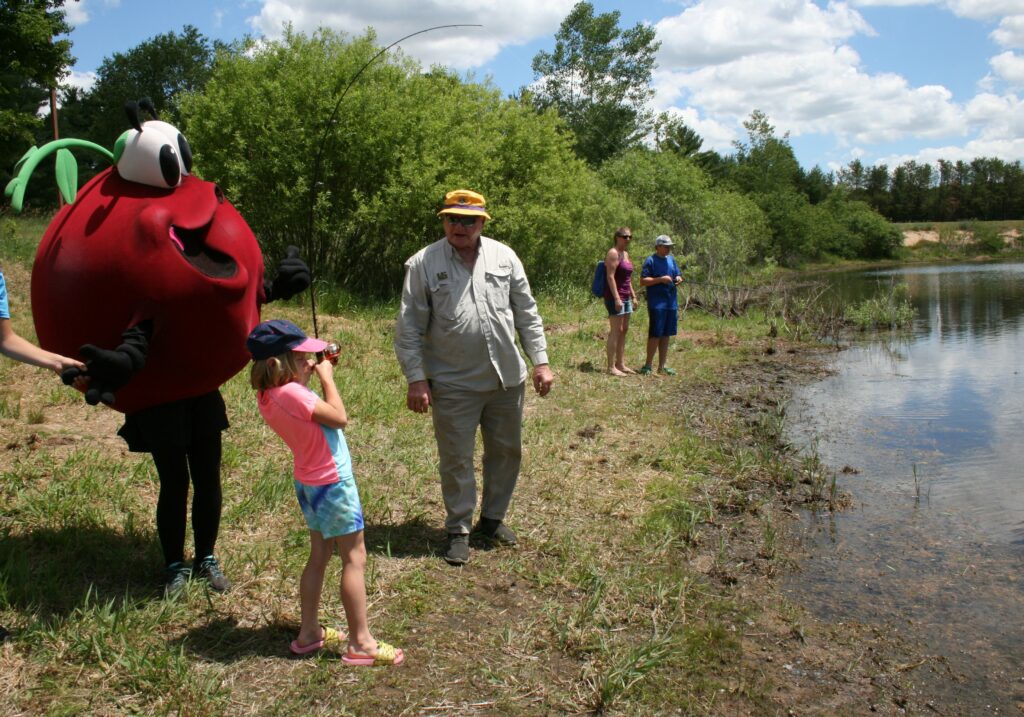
324	484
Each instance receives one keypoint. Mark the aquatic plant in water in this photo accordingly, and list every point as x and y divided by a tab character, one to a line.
887	310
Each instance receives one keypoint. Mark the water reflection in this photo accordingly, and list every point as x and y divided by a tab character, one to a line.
934	423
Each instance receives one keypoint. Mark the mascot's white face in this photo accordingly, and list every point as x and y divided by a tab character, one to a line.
158	156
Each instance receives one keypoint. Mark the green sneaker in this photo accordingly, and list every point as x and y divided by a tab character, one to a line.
667	371
645	371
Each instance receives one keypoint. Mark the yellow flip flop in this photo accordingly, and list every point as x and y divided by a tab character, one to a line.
332	639
386	655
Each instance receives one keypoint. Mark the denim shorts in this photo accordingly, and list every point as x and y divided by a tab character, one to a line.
332	509
663	322
627	307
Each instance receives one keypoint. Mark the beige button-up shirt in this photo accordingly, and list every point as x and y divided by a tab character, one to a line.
458	327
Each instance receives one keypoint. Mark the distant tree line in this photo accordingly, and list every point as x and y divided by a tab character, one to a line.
986	188
355	180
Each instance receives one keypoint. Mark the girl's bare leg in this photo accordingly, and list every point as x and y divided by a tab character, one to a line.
310	587
352	550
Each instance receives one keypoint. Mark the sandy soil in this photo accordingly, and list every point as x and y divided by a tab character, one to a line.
913	237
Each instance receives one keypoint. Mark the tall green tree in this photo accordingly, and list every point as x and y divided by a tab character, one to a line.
32	60
671	134
164	68
816	184
765	163
598	79
909	192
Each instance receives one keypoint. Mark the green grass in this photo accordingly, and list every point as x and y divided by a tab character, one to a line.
641	503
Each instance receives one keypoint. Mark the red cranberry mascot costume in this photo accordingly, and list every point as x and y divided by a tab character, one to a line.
154	278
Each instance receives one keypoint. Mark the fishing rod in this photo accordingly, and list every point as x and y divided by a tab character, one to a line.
323	139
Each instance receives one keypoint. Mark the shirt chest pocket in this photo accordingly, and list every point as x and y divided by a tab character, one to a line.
444	300
499	284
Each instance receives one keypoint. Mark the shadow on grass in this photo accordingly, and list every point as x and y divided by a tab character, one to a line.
411	539
415	539
52	570
224	641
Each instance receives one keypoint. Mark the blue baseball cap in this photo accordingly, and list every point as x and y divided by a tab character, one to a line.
275	337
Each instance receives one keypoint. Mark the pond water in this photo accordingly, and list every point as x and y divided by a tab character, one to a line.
926	432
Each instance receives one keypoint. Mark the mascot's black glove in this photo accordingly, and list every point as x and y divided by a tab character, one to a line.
108	370
292	278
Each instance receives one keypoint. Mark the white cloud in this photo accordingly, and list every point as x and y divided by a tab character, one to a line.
76	13
1010	67
984	9
1010	32
999	124
82	80
971	9
788	61
504	24
721	31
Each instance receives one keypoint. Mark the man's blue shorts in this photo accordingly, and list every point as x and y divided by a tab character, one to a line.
333	509
663	322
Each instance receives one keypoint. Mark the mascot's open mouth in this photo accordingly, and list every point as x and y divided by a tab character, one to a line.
192	245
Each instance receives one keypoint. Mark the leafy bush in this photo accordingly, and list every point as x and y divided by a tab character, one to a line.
987	239
357	189
719	229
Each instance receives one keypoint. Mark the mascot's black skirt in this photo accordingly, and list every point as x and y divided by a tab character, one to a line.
176	424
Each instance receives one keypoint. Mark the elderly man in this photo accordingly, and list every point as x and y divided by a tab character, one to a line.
464	299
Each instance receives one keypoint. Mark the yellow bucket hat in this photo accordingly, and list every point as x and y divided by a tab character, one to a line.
465	202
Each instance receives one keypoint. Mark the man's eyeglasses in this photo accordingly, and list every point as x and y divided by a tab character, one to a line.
625	236
460	219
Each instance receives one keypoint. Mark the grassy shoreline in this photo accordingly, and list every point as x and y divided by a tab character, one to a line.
653	512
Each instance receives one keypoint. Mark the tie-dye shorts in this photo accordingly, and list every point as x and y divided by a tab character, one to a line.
333	509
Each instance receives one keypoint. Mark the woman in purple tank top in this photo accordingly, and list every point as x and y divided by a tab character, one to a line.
619	299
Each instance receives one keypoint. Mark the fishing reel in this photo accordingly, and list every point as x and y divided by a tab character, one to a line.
331	352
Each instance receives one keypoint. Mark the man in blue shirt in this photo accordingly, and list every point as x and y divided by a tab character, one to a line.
661	275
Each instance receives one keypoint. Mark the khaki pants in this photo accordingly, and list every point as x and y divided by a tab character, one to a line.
456	414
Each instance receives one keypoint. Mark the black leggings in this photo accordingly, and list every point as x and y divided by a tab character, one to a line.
201	461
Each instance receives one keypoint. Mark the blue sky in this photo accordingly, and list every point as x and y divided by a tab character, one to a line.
882	81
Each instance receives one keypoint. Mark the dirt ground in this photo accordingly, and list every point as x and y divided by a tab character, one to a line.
913	237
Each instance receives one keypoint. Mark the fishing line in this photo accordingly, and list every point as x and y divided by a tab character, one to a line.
322	144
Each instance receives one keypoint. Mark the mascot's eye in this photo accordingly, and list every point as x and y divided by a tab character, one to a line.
169	166
158	156
185	152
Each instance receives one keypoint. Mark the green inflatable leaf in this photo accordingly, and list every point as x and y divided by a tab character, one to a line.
24	158
67	175
15	191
